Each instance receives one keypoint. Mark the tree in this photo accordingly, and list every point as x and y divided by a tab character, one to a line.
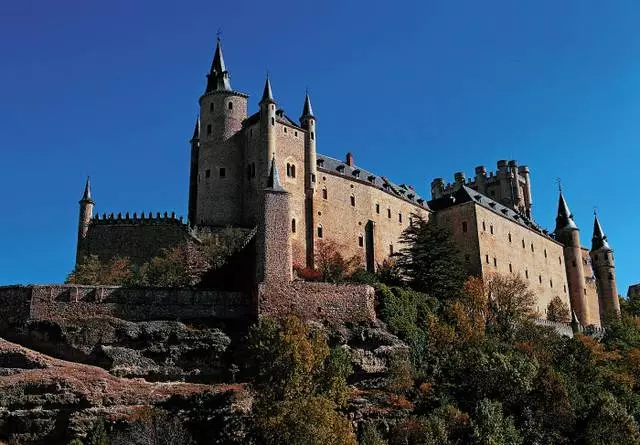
154	427
300	384
490	427
371	436
91	271
557	310
98	435
511	302
431	262
181	266
331	264
611	423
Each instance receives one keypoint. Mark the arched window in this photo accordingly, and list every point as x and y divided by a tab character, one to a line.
293	171
293	225
377	208
353	201
288	170
231	105
319	230
324	193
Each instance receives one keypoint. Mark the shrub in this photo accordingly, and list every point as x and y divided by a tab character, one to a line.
557	310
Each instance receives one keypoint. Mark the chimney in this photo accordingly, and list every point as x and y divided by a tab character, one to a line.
349	160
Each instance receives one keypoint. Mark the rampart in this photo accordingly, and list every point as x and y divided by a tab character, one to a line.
333	302
50	302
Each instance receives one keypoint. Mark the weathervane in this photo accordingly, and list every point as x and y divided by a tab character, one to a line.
559	182
219	33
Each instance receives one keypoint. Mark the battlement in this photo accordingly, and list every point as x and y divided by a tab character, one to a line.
509	185
150	218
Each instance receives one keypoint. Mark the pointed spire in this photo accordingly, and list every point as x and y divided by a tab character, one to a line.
267	94
196	131
273	182
307	111
564	219
218	77
575	323
599	240
86	196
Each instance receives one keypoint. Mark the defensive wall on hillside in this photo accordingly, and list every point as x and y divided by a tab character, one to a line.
325	301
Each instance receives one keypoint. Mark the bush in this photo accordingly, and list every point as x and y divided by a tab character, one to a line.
557	310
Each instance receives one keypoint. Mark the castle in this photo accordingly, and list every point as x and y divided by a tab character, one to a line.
261	172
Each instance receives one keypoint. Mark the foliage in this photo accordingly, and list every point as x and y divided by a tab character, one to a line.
98	435
430	261
219	246
180	266
300	384
90	270
510	301
490	427
154	427
557	310
333	267
371	436
76	442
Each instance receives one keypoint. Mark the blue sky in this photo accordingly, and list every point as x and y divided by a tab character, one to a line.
415	90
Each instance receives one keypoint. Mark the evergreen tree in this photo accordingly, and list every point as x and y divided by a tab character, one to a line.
431	262
98	435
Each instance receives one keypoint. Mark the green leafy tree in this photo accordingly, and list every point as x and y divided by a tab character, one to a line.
490	427
511	303
557	310
371	436
611	424
431	262
181	266
98	435
300	384
76	442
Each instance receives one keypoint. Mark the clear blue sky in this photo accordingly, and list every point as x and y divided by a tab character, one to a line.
415	89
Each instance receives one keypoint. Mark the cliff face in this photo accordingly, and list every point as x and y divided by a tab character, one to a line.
47	401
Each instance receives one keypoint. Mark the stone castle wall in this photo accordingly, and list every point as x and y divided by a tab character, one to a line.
326	301
138	239
51	302
494	244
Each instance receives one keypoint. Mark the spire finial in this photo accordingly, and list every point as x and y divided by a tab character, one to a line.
559	182
267	93
86	196
307	111
599	239
218	34
218	77
564	218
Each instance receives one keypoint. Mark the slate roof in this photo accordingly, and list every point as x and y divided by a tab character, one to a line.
466	194
280	117
402	191
599	240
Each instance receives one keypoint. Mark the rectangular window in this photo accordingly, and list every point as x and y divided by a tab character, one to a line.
378	208
484	227
390	249
389	213
208	129
491	229
360	241
467	258
510	268
223	172
399	217
526	273
207	174
486	258
464	226
495	262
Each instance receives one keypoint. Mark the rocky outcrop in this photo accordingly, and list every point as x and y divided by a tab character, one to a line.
159	350
48	401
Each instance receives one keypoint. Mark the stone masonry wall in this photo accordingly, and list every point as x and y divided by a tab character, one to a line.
324	301
139	240
71	301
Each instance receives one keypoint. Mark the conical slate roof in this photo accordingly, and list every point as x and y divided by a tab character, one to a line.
564	219
196	131
267	94
86	196
307	111
218	78
599	240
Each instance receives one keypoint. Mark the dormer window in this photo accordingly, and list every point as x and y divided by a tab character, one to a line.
340	168
320	162
356	173
371	178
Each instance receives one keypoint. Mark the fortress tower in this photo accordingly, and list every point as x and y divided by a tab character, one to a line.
568	234
84	219
219	154
604	270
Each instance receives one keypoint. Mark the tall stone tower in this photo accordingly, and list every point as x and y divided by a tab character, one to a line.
193	174
220	156
308	122
605	271
84	219
568	234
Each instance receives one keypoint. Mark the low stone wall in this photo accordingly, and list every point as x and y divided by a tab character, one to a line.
321	301
49	302
15	303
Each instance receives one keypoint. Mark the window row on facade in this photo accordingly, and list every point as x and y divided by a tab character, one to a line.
494	261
